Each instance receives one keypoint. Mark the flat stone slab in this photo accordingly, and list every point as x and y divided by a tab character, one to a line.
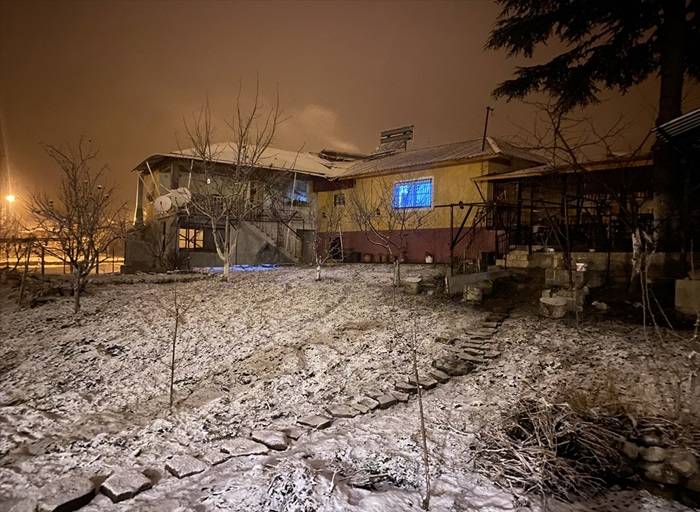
124	485
272	439
184	465
405	387
386	401
316	422
294	432
492	325
367	402
343	411
69	493
453	366
470	358
242	447
439	375
215	456
401	397
424	382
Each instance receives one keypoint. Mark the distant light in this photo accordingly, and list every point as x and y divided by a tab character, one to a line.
10	198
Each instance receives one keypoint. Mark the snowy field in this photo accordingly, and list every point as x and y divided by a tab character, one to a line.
88	394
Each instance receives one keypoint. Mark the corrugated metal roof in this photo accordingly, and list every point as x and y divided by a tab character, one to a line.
272	158
608	164
684	129
444	154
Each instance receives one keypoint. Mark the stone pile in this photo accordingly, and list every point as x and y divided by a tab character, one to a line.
667	466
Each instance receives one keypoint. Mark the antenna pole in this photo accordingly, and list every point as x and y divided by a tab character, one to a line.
486	126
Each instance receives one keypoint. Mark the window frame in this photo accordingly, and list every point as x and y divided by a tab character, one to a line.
339	199
191	241
430	179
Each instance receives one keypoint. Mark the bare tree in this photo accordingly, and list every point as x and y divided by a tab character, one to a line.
82	216
230	194
328	235
159	238
384	224
174	351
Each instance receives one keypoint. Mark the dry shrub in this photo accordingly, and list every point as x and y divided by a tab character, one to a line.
552	450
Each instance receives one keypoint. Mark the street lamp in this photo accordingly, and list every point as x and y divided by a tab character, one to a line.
10	198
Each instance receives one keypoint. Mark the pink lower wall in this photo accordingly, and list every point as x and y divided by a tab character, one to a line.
434	241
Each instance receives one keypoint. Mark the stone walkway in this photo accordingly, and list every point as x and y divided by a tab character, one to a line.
464	354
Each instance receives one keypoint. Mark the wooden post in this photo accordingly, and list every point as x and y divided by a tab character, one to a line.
97	265
43	262
24	274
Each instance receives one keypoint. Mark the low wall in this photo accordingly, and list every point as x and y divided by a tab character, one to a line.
662	264
418	242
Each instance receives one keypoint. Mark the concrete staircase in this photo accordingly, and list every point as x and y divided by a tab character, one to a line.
277	235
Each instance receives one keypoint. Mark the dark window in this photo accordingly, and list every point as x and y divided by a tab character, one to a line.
339	199
413	194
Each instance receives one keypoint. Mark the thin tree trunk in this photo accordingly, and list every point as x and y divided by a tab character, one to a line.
172	355
425	502
77	289
397	272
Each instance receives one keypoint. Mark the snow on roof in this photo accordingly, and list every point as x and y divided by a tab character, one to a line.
272	158
437	155
327	165
608	164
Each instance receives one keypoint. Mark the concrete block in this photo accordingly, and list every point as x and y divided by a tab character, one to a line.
687	299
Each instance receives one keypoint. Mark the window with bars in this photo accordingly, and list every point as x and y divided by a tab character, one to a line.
413	193
191	238
339	200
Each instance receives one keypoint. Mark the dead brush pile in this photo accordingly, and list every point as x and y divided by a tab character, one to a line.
552	449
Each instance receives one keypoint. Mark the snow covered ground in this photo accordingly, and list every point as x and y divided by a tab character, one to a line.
88	394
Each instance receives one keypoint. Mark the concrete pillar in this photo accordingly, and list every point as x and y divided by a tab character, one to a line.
138	213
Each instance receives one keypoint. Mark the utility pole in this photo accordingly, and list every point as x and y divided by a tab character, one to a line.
486	126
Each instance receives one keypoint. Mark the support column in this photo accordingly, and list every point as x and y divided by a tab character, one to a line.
138	213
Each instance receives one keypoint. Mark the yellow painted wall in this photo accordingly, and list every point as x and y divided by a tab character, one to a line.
451	184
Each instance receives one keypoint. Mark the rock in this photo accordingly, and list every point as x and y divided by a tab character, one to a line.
490	324
661	473
470	358
386	401
439	375
452	366
405	387
368	402
630	450
424	382
242	447
683	462
553	307
342	411
316	421
654	454
401	397
124	485
66	494
294	432
693	483
184	465
215	456
651	440
271	439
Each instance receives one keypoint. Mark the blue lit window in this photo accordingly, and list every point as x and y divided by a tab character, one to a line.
413	194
